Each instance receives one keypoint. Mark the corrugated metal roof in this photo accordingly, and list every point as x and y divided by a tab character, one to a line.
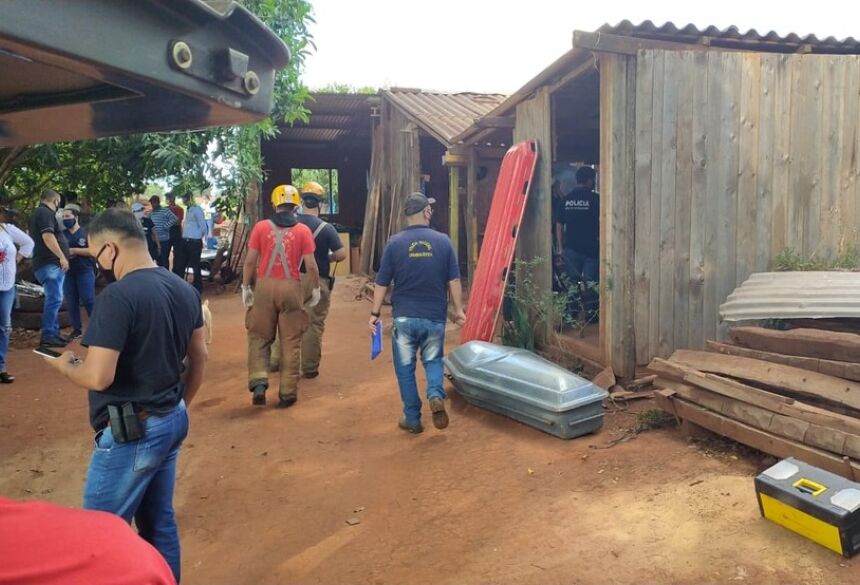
731	36
333	116
444	115
794	295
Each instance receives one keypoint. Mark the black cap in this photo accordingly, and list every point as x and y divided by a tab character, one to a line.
416	202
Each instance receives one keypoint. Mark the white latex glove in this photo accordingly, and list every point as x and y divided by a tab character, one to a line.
315	298
247	296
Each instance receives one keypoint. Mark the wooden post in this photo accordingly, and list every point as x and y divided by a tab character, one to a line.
534	122
617	210
472	213
454	208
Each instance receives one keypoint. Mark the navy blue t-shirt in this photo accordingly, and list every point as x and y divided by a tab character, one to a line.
148	317
421	262
79	239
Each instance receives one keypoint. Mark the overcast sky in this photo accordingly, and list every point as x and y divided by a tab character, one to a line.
487	45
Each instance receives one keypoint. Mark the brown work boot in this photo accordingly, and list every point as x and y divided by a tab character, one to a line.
287	401
440	416
259	397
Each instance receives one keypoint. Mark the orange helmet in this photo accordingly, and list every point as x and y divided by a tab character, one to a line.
285	194
313	189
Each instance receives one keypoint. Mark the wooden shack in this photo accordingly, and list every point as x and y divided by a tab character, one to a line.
716	151
411	135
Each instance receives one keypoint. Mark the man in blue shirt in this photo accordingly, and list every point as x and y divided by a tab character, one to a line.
422	264
187	253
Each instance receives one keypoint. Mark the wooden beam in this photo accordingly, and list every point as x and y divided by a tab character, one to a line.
450	159
847	370
757	397
787	426
622	45
803	382
617	211
506	122
574	74
472	214
813	343
756	438
454	207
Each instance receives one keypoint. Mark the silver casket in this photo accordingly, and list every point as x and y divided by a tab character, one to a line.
525	387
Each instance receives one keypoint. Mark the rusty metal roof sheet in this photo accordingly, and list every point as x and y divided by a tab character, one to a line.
443	115
794	295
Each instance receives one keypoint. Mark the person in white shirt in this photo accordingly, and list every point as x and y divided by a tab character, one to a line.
14	245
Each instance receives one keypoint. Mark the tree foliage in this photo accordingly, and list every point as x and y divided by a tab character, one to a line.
227	159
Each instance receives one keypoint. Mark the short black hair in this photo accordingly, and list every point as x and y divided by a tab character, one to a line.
70	196
119	221
156	200
584	175
171	196
49	195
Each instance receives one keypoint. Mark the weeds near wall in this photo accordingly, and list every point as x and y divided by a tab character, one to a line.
791	260
532	306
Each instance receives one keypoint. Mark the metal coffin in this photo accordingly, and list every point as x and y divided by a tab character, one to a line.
525	387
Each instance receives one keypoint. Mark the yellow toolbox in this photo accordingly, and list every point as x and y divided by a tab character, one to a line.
814	503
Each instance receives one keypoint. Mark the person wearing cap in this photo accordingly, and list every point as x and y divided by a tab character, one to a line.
276	249
423	266
139	211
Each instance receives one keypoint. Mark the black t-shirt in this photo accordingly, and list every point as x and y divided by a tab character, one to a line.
79	239
327	240
44	220
148	317
148	227
579	213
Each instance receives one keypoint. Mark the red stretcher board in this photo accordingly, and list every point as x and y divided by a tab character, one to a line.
500	242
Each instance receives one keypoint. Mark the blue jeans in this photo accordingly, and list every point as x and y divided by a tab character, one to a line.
410	336
7	301
51	277
164	258
580	267
136	480
80	289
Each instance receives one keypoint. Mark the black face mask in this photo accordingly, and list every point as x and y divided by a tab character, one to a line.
107	273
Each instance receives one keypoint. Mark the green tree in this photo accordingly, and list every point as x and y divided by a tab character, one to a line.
226	159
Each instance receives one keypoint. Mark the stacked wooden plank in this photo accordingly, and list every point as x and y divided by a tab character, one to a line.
787	393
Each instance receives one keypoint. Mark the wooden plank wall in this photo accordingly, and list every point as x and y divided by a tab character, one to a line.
617	147
534	122
737	156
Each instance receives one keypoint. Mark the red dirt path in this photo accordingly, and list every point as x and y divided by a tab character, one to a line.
263	495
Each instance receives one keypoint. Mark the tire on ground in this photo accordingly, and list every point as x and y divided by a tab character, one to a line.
22	320
33	304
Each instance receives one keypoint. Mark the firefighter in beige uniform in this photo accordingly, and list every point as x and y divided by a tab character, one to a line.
276	249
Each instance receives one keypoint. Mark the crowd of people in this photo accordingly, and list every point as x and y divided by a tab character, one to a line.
146	347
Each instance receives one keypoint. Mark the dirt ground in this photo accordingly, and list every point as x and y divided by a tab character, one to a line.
264	495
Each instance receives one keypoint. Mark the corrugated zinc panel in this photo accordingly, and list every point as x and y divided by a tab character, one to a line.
794	295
